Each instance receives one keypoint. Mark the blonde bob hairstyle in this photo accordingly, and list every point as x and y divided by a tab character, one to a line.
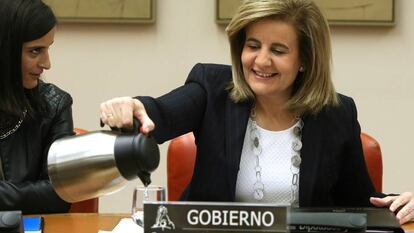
313	88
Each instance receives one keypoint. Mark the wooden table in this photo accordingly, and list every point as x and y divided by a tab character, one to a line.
92	223
81	223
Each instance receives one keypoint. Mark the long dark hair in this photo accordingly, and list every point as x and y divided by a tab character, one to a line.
20	21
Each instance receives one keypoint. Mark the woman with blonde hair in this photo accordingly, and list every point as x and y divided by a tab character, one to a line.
270	128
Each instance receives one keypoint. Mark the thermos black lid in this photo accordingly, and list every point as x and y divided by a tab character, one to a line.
136	155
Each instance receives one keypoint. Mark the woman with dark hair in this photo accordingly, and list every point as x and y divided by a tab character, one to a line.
33	113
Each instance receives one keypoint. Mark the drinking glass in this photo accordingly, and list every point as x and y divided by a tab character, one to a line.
141	195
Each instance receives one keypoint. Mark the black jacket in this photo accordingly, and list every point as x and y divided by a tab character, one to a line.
24	157
332	172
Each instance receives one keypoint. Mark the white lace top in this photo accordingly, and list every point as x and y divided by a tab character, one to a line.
275	161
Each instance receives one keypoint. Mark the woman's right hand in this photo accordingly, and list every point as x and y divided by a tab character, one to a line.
119	112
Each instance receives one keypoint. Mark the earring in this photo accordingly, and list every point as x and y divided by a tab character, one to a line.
301	69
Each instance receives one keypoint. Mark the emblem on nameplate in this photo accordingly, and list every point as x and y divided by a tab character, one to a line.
163	221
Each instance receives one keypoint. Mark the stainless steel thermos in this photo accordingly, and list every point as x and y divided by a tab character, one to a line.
90	165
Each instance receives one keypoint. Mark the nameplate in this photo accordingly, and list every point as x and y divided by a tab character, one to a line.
213	217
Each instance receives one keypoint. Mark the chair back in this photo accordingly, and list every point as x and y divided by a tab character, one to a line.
373	159
181	156
87	206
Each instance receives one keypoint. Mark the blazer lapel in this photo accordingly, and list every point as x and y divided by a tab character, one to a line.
310	153
237	116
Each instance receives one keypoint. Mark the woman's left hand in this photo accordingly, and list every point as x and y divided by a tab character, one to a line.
402	204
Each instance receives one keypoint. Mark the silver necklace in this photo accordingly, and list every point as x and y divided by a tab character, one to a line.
15	128
258	186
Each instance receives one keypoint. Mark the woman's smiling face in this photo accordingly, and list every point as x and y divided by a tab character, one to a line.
270	58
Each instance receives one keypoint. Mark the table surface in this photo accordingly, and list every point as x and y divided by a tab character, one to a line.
92	223
81	223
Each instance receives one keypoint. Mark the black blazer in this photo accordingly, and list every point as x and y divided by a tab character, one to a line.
332	172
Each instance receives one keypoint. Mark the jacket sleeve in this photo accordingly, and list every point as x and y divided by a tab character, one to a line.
35	194
181	110
61	126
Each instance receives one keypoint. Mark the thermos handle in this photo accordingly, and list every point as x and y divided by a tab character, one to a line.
136	125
